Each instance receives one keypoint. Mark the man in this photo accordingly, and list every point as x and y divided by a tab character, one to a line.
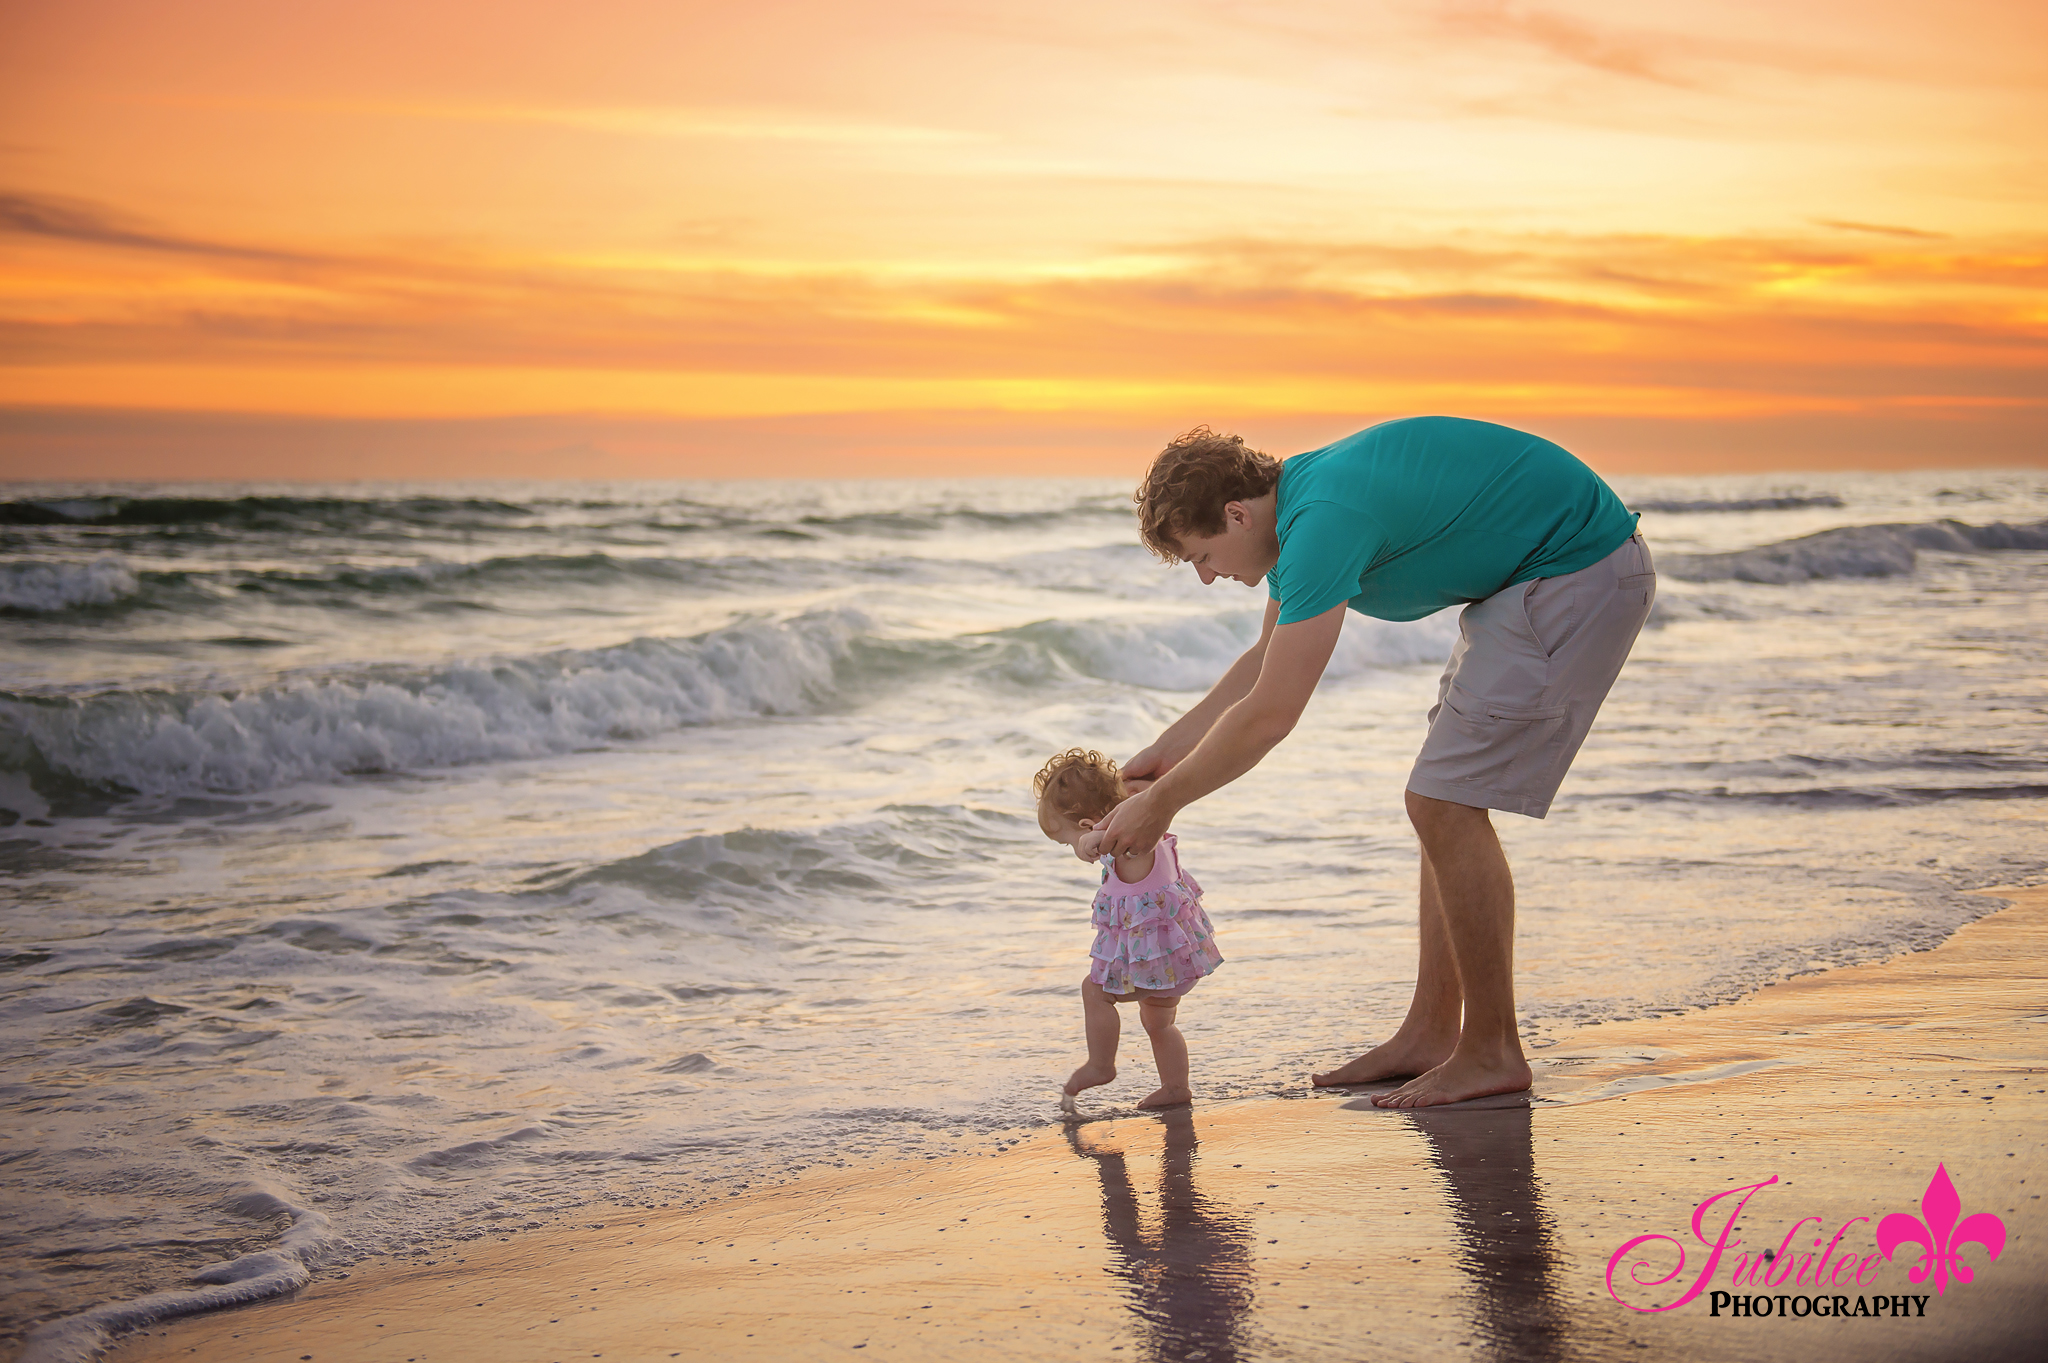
1399	521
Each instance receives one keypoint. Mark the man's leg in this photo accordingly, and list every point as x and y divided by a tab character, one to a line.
1532	664
1429	1033
1476	902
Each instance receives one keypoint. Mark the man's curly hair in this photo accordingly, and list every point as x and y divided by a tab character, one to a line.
1078	784
1191	481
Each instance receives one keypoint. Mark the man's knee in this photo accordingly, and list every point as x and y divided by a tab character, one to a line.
1434	818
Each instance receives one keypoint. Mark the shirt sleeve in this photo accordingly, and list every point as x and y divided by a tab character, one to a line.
1327	549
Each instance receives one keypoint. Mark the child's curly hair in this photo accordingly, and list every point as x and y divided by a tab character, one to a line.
1078	784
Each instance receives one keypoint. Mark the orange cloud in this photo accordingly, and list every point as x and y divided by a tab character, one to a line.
1304	214
1617	52
1613	324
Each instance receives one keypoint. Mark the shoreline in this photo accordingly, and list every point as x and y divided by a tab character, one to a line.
1300	1226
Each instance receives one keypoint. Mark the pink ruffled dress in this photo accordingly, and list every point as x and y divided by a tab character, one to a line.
1152	935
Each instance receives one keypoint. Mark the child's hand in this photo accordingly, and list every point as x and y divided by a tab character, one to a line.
1134	826
1088	847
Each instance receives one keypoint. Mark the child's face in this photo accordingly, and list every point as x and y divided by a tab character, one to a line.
1063	830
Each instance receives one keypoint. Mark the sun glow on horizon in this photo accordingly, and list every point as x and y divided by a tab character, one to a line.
1732	214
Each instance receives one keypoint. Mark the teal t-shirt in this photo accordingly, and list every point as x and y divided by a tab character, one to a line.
1408	517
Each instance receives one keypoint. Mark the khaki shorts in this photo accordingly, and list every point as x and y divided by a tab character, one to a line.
1532	664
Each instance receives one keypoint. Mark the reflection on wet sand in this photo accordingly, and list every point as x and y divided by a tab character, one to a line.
1507	1243
1190	1273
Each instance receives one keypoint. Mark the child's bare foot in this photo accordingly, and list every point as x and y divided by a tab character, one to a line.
1088	1077
1399	1057
1168	1095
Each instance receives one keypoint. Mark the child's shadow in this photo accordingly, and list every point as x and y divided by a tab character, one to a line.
1190	1272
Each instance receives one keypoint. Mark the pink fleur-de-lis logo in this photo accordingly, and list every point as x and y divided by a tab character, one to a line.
1940	1235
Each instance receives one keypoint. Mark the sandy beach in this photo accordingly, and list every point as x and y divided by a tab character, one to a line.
543	548
1326	1228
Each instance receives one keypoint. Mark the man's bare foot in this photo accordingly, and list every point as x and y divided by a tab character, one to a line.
1457	1079
1168	1095
1088	1077
1396	1058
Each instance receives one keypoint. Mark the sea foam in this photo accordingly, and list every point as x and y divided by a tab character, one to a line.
159	742
35	587
1189	652
252	1277
166	742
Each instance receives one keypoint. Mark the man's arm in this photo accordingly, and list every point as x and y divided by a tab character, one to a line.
1181	736
1295	656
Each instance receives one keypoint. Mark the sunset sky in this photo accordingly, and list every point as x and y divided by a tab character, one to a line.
442	238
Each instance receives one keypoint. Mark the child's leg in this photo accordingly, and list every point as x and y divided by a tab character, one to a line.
1098	1015
1169	1052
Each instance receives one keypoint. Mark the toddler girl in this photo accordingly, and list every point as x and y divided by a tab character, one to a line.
1152	940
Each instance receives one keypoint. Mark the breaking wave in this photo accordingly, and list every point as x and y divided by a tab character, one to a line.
165	742
799	869
527	572
36	587
49	588
321	514
160	742
922	522
1852	551
1188	653
1843	797
1683	508
347	515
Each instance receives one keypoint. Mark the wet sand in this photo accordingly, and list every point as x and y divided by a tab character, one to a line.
1322	1227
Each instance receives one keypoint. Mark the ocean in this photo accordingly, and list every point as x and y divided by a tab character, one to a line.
390	866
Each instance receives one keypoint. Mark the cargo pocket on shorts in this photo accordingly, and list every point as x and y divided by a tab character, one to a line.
1488	744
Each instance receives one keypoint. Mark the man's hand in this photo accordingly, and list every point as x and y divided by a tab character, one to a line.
1147	767
1134	826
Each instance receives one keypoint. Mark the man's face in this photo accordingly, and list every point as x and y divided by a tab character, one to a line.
1244	552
